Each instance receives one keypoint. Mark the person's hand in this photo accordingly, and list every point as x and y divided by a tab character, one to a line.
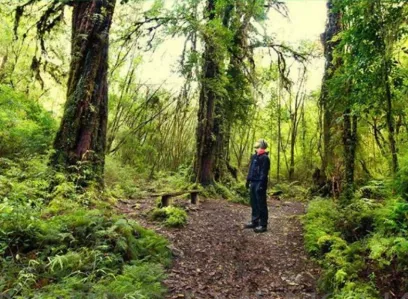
247	184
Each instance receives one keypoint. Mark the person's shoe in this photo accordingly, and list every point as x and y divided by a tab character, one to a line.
260	229
250	225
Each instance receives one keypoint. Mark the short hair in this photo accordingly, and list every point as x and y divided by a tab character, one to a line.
263	144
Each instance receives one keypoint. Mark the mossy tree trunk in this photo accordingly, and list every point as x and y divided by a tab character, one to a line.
350	146
206	131
328	105
390	116
81	139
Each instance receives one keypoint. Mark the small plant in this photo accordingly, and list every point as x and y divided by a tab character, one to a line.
170	216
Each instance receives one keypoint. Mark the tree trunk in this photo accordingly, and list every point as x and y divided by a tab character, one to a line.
206	140
81	139
390	118
279	134
299	99
221	144
350	146
333	27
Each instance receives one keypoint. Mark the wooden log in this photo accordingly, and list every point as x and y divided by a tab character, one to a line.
165	200
194	197
165	197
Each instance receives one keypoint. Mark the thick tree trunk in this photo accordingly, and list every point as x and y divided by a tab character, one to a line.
206	139
333	27
81	139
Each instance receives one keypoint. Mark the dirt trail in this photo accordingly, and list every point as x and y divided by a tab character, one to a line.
216	258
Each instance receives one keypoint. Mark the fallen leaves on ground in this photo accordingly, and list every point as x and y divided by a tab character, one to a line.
214	257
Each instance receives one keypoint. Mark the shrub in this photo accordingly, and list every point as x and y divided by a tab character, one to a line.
121	180
360	246
374	190
291	191
71	245
171	216
400	184
92	245
140	281
319	222
25	127
357	219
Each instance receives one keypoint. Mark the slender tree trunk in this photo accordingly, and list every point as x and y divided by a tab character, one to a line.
299	99
221	144
390	118
279	135
82	134
350	146
206	141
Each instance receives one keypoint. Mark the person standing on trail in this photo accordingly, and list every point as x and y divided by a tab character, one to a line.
257	181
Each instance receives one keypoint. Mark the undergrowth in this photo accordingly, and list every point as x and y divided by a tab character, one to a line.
25	126
170	216
363	247
70	244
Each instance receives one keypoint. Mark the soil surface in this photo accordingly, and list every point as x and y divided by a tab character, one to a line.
216	258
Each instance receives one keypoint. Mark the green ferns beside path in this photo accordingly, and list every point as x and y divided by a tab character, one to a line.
362	248
71	245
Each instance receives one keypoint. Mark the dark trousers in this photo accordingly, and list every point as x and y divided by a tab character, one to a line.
258	203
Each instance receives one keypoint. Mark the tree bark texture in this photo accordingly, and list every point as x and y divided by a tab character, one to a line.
350	146
81	138
333	27
206	129
390	117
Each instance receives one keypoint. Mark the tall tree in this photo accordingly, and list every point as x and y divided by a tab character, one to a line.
82	134
327	103
206	130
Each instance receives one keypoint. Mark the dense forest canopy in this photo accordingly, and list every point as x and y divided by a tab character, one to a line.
87	120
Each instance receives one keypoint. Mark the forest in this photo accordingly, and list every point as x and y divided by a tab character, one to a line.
113	113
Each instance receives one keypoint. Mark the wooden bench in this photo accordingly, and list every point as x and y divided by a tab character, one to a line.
165	197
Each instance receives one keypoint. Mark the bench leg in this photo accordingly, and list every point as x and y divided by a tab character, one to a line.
165	201
194	197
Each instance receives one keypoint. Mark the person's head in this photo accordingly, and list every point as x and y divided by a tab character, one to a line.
261	144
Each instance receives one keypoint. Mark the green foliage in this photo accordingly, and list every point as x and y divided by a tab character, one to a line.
357	290
140	281
360	246
357	219
319	223
24	181
231	190
71	244
400	184
374	190
291	191
89	244
25	127
121	180
170	216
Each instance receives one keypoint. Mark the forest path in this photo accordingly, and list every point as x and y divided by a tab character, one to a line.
216	258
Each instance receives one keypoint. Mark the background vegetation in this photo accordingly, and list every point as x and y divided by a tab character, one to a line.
342	147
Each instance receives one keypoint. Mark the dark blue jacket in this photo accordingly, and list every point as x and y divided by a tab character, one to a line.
259	168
